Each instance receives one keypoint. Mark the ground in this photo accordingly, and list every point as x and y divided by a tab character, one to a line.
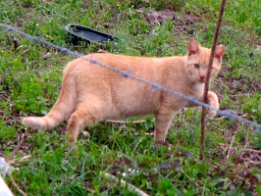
30	80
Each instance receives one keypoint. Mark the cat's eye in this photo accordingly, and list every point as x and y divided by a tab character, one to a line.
196	66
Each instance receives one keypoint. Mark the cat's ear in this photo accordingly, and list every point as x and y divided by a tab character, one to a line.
219	52
193	47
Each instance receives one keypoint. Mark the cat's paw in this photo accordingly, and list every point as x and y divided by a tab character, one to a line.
163	143
213	102
212	113
85	134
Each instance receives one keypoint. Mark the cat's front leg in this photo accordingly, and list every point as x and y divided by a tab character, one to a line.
163	121
213	101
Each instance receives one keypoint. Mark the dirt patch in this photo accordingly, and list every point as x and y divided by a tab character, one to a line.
183	22
236	165
160	17
236	86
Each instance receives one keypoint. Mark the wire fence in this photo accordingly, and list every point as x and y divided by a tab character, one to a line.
229	114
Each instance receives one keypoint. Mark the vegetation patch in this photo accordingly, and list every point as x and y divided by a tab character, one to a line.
30	81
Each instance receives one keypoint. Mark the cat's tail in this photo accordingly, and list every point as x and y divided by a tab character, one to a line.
62	109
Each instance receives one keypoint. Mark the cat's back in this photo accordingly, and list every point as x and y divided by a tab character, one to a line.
118	60
106	66
105	63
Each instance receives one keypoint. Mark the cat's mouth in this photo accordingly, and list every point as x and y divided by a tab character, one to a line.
202	79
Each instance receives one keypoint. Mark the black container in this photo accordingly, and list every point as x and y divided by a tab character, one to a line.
88	34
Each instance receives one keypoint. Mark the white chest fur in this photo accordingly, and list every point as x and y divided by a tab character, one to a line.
199	89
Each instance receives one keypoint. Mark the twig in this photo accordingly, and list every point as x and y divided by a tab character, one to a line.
13	161
24	52
46	1
230	147
253	162
18	147
90	190
205	95
252	150
126	121
16	186
124	183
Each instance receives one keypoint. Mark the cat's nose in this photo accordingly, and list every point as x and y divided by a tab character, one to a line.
202	78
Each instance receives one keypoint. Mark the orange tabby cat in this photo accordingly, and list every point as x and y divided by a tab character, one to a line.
91	93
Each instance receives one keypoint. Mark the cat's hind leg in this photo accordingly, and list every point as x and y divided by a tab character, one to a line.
86	114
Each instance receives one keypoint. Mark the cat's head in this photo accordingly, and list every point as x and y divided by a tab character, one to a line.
198	59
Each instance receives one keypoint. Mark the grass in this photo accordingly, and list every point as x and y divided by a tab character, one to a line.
30	83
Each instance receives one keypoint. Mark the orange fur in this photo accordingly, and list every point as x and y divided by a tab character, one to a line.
91	93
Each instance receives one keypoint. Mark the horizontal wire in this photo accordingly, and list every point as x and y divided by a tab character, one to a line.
126	74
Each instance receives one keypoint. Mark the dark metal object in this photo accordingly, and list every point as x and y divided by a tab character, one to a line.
88	34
